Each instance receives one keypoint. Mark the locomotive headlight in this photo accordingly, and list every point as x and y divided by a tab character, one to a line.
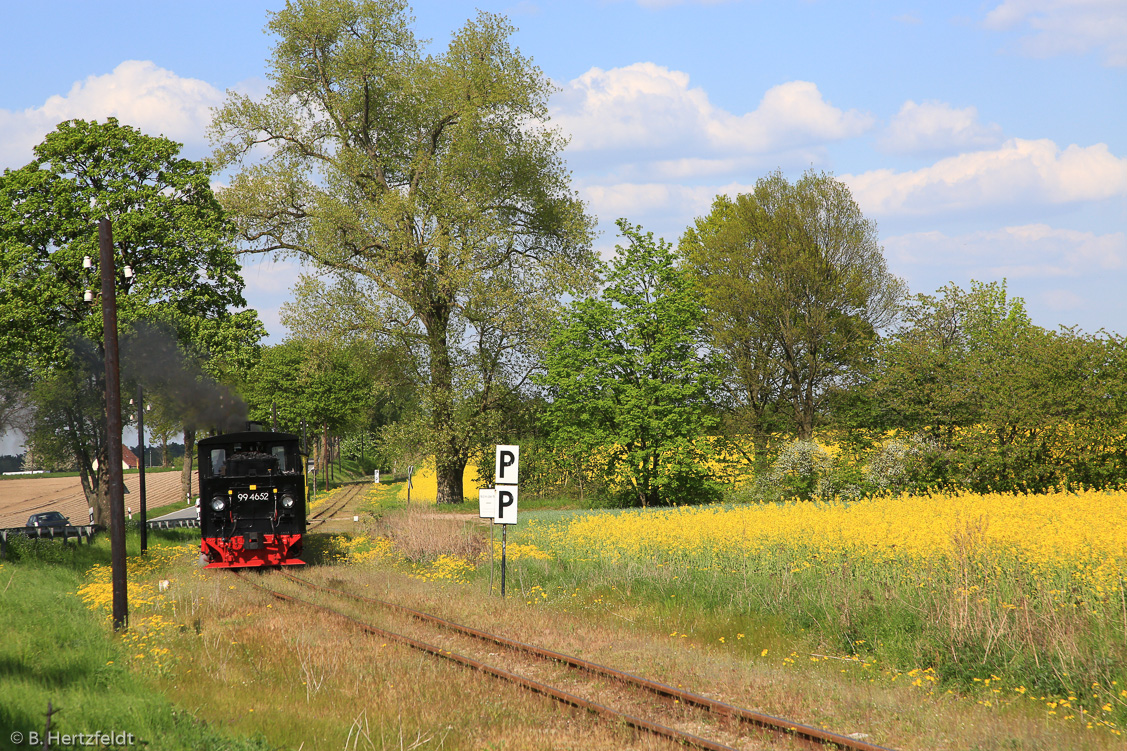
287	501
218	503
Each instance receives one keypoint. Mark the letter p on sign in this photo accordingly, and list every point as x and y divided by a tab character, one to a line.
506	505
507	468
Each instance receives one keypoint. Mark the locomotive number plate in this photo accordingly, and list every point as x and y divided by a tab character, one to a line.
264	496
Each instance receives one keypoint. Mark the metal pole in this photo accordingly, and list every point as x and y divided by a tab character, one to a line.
274	413
115	490
141	467
504	539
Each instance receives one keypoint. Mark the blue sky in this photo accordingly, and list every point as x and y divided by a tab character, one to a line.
988	140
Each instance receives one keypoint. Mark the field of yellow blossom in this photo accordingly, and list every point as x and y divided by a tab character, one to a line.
1018	595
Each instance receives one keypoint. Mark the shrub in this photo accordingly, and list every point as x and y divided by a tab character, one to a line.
805	471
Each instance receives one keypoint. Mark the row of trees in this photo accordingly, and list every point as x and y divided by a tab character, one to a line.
426	196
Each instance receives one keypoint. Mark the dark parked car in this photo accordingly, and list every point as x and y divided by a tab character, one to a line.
47	519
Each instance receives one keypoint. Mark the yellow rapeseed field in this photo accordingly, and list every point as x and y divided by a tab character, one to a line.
1083	533
1021	596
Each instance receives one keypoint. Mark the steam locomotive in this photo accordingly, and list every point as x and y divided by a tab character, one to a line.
252	500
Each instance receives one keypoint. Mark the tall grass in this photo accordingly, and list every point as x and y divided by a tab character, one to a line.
55	650
1008	596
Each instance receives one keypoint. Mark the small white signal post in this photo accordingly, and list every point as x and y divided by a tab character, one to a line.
502	501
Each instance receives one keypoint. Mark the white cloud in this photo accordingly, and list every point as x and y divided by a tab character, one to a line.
649	107
637	200
1062	300
137	92
935	128
1056	27
1035	251
1018	172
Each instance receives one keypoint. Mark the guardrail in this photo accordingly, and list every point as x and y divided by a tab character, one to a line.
85	532
79	533
173	523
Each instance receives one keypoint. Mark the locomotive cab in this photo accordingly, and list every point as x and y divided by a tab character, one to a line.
252	500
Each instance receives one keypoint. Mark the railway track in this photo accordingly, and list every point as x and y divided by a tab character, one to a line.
349	493
677	715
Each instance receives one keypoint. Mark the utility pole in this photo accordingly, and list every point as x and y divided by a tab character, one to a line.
141	467
115	490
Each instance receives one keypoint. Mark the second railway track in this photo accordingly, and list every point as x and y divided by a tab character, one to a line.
323	515
680	716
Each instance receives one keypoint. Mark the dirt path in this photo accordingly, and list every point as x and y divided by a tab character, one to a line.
22	496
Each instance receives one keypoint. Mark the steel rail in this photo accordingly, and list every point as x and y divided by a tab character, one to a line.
315	520
721	709
544	689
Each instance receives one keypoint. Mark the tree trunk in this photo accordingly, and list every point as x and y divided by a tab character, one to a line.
189	457
94	484
449	474
449	458
94	489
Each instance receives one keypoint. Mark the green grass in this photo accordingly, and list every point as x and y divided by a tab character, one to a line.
844	608
54	650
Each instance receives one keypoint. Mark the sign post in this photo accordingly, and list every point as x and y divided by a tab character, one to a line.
487	509
506	475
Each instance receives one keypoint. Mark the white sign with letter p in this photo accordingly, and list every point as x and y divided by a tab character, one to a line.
507	468
506	505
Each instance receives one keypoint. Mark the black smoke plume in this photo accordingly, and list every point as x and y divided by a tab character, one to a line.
152	356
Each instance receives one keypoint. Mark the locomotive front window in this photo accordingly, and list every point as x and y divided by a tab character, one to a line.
279	453
218	461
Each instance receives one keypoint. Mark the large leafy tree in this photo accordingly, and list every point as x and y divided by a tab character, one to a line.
167	226
1012	405
426	190
327	387
797	289
932	369
627	386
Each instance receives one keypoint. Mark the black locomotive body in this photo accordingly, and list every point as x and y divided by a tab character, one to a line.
252	500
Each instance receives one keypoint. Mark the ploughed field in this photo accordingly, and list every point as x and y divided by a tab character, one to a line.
22	496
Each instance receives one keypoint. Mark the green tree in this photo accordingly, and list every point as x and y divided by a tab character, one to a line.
626	384
424	189
1016	407
14	406
328	388
167	226
797	288
927	372
162	424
